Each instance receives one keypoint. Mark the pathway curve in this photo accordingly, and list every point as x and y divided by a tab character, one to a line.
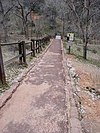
38	105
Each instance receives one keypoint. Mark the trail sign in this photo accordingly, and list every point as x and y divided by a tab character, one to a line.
70	39
58	37
70	36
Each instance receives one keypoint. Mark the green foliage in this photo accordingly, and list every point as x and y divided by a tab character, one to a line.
3	87
91	61
77	50
31	57
25	65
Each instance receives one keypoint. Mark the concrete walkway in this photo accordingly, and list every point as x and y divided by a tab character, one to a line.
38	105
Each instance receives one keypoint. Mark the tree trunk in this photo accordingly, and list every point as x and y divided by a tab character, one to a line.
25	29
2	72
85	42
63	27
26	32
5	33
85	51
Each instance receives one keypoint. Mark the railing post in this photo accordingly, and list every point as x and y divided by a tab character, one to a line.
33	48
20	52
44	42
24	52
2	72
38	46
41	44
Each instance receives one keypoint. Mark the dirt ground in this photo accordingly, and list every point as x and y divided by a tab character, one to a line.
89	84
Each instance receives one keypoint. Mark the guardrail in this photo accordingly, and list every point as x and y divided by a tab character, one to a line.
36	46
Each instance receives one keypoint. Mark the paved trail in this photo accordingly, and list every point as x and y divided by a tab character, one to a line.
38	106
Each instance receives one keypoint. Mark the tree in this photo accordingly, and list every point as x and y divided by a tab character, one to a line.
24	9
62	14
50	13
4	17
23	13
38	16
83	13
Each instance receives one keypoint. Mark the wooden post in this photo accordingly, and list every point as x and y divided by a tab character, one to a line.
20	52
2	72
24	52
44	42
41	44
33	48
38	46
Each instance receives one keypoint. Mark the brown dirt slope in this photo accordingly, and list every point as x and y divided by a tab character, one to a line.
89	83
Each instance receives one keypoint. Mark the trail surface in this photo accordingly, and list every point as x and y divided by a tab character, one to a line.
38	105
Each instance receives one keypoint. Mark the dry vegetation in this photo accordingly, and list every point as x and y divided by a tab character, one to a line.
14	70
25	19
88	93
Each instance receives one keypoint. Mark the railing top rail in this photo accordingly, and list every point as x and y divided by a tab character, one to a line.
28	42
12	43
5	44
33	39
37	39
